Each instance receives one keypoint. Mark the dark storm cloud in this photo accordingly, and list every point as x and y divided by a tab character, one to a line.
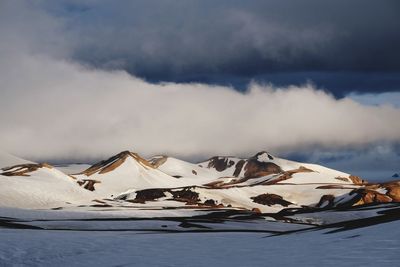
337	44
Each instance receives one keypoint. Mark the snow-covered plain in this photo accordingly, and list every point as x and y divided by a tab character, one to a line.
377	245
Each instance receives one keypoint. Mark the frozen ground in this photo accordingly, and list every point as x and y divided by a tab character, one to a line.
377	245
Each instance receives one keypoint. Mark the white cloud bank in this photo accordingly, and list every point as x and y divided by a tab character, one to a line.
54	108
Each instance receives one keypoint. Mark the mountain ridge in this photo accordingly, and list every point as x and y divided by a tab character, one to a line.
262	182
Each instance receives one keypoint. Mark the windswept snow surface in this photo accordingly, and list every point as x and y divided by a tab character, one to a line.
45	187
377	245
179	168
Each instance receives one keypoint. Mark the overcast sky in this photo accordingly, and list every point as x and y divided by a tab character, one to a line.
341	45
315	80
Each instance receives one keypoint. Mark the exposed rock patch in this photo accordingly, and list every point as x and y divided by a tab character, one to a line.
357	180
287	175
220	163
393	191
23	169
368	196
186	195
158	161
270	199
333	186
149	195
256	210
326	201
215	184
263	156
344	179
255	168
378	193
210	202
238	167
88	184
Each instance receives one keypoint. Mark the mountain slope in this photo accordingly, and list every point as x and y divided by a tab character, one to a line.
39	186
122	172
262	168
7	160
183	169
261	183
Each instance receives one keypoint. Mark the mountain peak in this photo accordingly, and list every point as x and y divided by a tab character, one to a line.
263	156
125	154
112	163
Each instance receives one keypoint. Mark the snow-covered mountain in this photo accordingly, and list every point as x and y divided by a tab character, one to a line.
124	171
262	183
32	185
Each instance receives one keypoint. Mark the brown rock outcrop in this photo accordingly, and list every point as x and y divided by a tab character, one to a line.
88	184
357	180
149	195
270	199
326	198
220	163
23	169
287	175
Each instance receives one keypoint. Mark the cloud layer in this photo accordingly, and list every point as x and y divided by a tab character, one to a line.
343	46
60	108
